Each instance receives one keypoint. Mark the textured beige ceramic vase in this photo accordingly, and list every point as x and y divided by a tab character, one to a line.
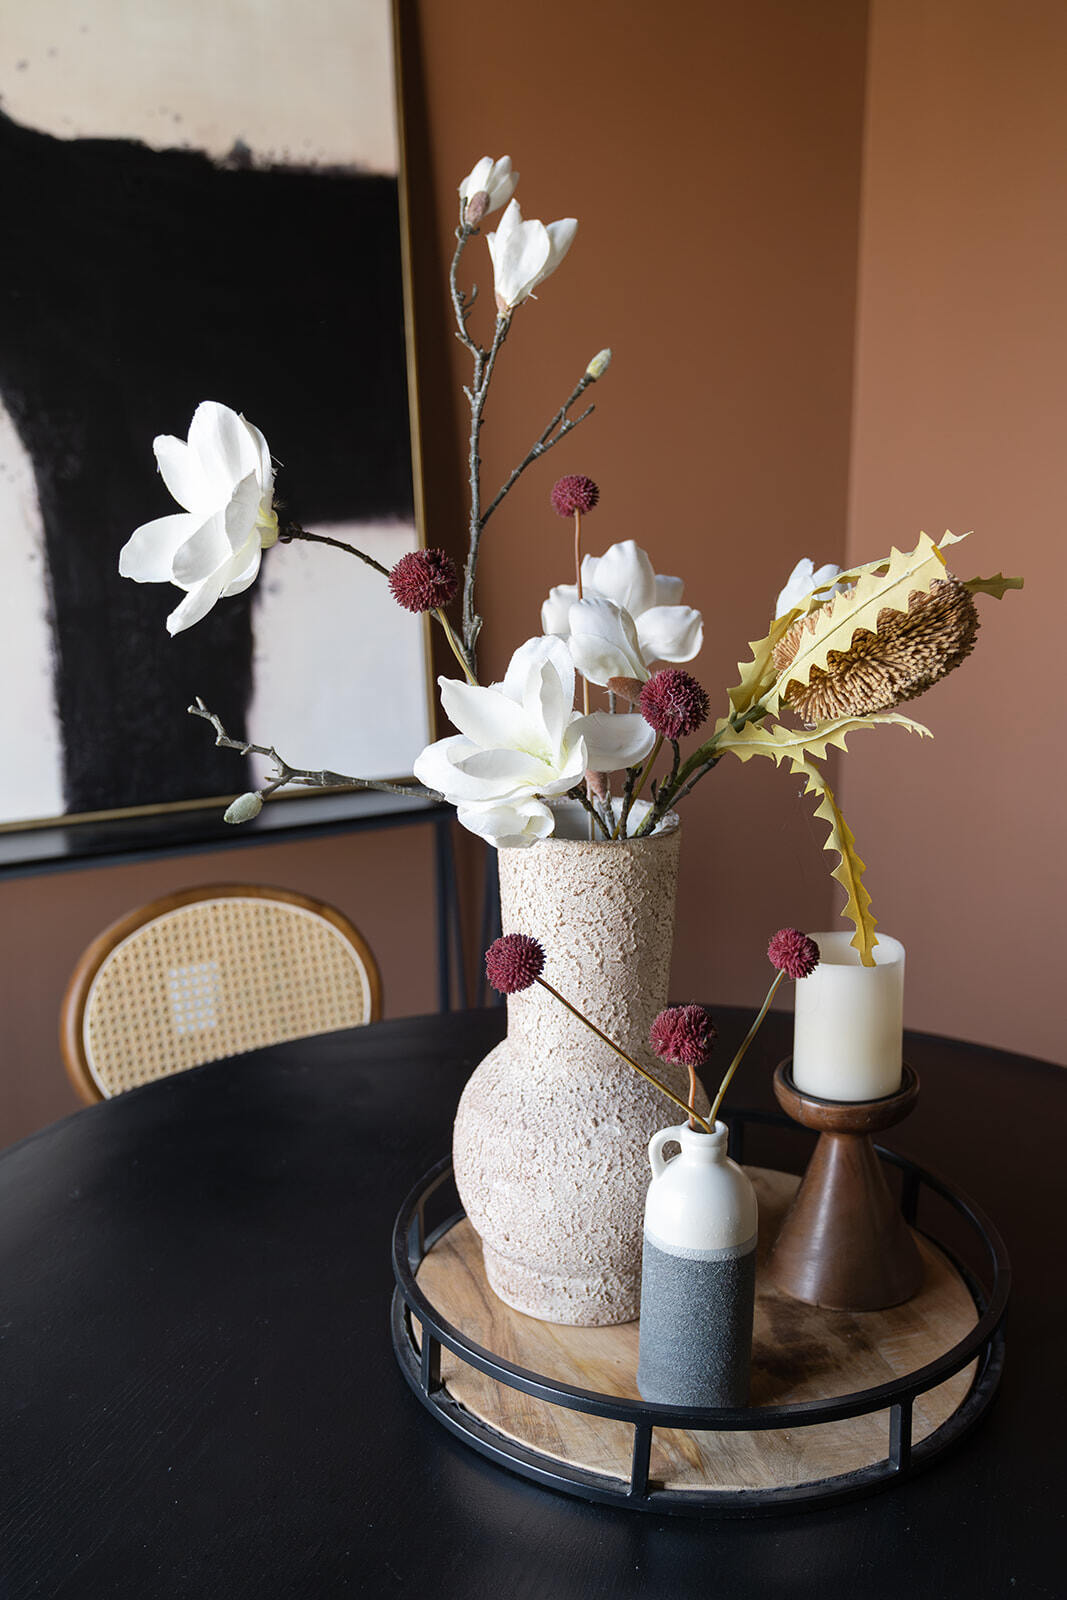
552	1130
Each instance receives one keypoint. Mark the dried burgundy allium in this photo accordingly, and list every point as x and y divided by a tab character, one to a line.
674	703
574	493
794	953
683	1035
424	580
514	962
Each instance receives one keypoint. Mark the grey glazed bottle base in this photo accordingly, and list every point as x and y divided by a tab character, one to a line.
696	1328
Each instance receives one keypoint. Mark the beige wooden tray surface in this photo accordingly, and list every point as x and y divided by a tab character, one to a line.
799	1353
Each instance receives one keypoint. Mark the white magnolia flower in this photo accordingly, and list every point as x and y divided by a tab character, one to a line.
522	740
603	642
224	479
494	179
507	823
802	580
666	630
523	253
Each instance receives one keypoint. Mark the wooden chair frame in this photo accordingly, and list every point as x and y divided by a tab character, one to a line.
80	987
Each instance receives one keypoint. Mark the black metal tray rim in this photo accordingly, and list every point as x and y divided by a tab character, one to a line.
421	1368
808	1413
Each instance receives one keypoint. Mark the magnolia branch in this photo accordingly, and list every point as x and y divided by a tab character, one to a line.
305	776
477	396
462	302
477	392
545	443
578	793
292	533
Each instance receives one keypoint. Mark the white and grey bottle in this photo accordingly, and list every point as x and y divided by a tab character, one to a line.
698	1278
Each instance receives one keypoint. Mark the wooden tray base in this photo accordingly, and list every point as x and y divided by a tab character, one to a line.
800	1352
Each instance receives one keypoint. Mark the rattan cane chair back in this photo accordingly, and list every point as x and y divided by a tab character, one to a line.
209	973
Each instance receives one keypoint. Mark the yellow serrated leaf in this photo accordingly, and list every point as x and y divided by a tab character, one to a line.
880	585
758	675
798	745
850	868
997	586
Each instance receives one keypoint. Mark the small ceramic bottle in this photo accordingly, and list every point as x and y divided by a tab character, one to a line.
698	1279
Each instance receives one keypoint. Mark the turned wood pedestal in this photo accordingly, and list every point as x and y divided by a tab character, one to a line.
844	1244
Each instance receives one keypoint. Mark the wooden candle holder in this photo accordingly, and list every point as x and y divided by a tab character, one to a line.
844	1243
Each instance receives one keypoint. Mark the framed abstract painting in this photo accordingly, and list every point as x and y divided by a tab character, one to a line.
203	201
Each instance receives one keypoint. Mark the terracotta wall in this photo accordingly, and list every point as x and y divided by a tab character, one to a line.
960	418
712	154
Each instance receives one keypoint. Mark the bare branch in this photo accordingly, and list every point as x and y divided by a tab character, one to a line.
578	793
545	443
291	533
461	303
483	372
302	776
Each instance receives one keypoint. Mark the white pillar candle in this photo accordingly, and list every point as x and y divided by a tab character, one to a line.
849	1021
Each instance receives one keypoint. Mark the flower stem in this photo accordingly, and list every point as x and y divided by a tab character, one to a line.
693	1098
749	1036
640	784
455	646
578	582
663	798
595	819
662	1087
291	533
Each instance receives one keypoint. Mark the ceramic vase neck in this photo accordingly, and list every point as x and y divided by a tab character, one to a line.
604	914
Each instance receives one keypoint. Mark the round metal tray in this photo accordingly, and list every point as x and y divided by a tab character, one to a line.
419	1357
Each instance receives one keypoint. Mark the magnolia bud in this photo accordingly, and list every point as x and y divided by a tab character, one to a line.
598	366
598	784
476	207
626	688
244	808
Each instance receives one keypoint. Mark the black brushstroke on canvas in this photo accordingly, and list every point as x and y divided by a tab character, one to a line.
136	283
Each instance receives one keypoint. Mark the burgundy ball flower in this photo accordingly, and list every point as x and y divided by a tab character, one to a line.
574	493
674	703
793	953
423	580
513	962
683	1035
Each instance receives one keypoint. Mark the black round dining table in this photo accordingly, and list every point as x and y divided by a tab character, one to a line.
199	1398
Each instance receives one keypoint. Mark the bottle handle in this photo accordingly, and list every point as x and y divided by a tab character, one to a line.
655	1148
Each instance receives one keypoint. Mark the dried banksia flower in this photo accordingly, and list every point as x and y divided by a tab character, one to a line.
513	962
674	703
683	1035
424	580
572	494
794	953
910	651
